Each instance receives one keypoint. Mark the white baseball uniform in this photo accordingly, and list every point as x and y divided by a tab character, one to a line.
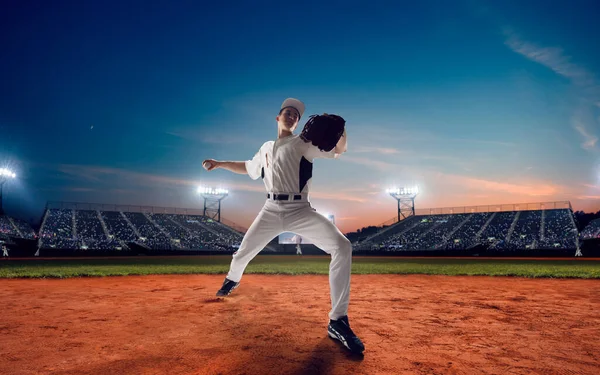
285	165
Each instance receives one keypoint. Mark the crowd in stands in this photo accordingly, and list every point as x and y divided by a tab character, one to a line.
12	227
24	230
559	231
210	232
591	231
6	228
497	230
525	233
438	235
466	235
150	234
108	230
117	226
509	231
90	232
57	230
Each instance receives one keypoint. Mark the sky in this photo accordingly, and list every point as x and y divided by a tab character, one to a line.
475	102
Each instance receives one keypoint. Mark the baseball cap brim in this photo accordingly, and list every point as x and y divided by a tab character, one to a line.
294	103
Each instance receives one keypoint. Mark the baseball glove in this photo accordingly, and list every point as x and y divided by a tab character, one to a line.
324	131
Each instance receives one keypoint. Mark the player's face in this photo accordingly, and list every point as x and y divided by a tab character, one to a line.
288	119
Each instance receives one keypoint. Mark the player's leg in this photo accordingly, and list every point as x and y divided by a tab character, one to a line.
325	235
265	227
316	228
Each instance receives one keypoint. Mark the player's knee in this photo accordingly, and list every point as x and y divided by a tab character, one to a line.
345	246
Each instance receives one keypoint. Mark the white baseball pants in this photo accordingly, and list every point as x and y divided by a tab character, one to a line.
300	218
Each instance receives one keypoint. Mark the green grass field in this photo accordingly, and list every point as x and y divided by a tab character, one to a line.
292	265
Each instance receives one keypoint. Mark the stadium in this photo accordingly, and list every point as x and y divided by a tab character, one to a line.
440	249
547	229
71	229
450	225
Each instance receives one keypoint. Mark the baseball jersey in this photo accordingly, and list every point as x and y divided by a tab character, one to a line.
285	165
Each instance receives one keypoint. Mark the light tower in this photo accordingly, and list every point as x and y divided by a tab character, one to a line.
406	200
5	175
212	201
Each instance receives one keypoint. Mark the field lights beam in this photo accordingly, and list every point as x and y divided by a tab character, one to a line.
7	173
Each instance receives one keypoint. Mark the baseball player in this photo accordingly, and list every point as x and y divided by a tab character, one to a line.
298	240
285	166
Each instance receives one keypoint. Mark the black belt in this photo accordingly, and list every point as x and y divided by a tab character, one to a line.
283	197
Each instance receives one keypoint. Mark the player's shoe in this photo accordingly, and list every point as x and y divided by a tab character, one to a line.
340	330
227	288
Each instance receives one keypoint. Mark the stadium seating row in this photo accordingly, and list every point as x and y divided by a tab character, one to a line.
592	230
112	230
514	230
116	230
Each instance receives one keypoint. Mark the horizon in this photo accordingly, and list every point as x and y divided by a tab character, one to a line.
476	103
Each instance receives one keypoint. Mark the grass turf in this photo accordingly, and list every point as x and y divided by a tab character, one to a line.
292	265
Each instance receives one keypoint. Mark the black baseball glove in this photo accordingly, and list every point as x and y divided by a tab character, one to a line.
324	131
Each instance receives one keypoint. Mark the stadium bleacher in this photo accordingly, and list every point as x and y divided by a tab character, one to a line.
591	231
57	230
16	228
467	235
501	231
559	230
110	230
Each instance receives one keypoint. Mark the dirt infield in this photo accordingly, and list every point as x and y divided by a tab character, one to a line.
277	325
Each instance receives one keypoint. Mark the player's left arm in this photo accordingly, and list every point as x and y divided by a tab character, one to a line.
342	145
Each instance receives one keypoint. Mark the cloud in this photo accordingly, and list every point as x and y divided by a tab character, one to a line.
71	189
336	196
108	175
376	150
590	140
116	178
551	57
555	59
347	218
533	189
380	135
371	163
589	197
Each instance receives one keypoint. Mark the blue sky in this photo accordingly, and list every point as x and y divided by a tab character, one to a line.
477	102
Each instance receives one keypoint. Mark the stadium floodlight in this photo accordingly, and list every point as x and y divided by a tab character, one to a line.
205	190
406	200
5	175
212	201
404	191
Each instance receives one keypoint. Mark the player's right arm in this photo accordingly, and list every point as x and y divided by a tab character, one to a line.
238	167
252	167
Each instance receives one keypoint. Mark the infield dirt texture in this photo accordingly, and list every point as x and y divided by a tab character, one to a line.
276	324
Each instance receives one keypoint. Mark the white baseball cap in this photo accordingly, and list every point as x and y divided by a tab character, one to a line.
294	103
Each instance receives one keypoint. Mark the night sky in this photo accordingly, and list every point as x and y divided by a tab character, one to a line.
476	102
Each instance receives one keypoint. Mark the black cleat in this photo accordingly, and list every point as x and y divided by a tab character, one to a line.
227	288
340	330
